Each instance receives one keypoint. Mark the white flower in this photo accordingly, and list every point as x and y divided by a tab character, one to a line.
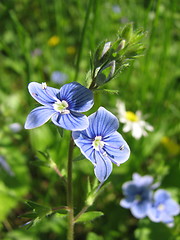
133	121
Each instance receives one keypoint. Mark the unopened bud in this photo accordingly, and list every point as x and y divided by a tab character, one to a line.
106	73
127	32
106	48
121	45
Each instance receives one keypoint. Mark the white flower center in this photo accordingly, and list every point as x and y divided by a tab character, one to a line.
161	207
97	143
60	106
131	116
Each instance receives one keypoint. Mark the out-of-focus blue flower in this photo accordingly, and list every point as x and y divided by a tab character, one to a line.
163	208
6	166
102	144
62	106
138	195
58	77
15	127
116	9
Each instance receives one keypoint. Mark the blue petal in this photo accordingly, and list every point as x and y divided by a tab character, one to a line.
44	96
166	218
71	121
143	181
154	214
116	147
103	167
161	196
126	202
38	117
102	123
172	207
139	210
85	145
79	98
130	189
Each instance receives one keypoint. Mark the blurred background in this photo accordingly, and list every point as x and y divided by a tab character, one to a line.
39	41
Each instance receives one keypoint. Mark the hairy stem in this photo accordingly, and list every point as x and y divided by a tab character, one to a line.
70	192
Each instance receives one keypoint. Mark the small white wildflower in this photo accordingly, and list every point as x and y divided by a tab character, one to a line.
133	121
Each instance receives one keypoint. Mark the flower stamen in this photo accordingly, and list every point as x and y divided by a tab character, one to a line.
97	143
44	85
61	106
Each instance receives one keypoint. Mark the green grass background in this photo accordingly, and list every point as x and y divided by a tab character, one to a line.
150	84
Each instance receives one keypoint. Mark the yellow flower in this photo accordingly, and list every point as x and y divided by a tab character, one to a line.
71	50
53	41
172	147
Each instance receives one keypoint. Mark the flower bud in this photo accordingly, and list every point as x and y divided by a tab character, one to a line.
127	32
106	48
121	45
105	73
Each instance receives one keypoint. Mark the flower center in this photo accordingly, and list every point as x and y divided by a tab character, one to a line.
60	106
97	143
161	207
131	116
138	197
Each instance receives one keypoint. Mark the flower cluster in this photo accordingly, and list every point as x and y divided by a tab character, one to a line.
143	201
110	58
96	135
133	122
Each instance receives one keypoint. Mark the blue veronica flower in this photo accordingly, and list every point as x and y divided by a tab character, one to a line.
62	106
58	77
138	195
102	144
163	207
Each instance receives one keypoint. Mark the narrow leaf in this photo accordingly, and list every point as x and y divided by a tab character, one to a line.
89	216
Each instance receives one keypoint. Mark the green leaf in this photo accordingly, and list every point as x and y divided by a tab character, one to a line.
79	158
43	159
60	131
89	216
39	163
40	210
93	236
111	91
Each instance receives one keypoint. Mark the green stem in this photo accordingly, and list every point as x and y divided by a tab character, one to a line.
82	39
70	193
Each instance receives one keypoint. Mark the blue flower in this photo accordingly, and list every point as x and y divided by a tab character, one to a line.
163	207
102	144
15	127
62	106
138	195
58	77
